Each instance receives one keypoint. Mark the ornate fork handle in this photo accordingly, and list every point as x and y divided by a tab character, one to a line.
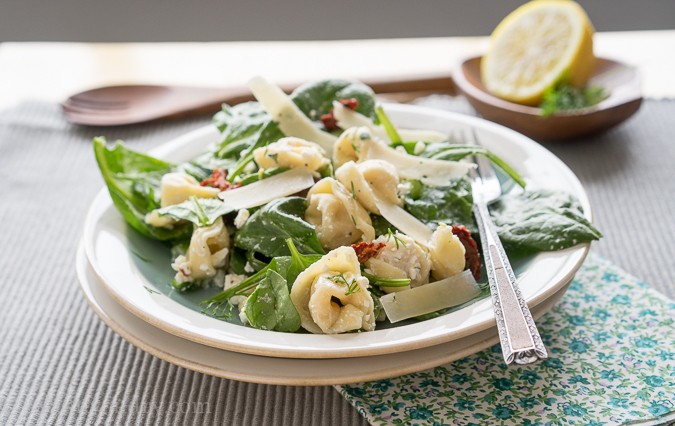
518	334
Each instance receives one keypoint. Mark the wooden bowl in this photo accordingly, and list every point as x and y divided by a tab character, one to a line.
621	81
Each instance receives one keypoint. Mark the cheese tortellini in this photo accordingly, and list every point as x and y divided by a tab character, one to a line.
339	219
332	297
370	180
401	257
178	187
208	250
351	144
291	152
175	188
446	252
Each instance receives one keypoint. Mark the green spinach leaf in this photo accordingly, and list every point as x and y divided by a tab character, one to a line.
451	204
543	220
200	211
133	181
316	98
299	262
267	230
270	307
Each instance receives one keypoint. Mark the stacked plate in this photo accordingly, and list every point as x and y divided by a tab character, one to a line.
126	277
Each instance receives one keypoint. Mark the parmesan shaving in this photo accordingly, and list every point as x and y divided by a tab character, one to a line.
347	118
427	170
287	115
266	190
404	221
432	297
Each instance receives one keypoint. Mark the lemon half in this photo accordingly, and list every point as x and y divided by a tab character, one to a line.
535	47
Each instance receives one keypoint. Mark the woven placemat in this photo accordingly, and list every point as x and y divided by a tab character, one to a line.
60	365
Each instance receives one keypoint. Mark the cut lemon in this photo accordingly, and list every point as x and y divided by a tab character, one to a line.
536	46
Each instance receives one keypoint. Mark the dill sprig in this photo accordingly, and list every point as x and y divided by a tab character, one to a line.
397	240
352	286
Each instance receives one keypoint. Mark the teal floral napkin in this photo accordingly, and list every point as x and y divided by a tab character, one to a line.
611	343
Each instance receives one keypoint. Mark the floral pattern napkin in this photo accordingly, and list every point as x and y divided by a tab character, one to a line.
611	344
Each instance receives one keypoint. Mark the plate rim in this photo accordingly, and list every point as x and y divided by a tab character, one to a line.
83	268
173	145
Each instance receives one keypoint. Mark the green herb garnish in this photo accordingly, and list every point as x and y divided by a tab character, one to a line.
565	97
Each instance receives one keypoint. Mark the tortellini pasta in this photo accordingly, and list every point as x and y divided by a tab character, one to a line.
332	297
339	219
401	257
178	187
368	180
291	152
174	189
350	145
446	252
208	251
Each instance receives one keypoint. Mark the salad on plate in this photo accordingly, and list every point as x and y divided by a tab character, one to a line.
315	213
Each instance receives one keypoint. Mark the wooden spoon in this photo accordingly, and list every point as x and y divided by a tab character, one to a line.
121	105
621	81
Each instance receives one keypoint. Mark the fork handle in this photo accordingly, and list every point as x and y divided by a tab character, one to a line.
518	334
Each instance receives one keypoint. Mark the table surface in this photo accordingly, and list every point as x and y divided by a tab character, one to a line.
624	187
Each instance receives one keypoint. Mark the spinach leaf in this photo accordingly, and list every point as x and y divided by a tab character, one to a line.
316	98
270	307
381	225
454	152
133	182
267	230
200	211
451	204
299	262
238	261
244	127
541	221
219	306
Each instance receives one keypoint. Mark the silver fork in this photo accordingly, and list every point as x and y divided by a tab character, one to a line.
518	334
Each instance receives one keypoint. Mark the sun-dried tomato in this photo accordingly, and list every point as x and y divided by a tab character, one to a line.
218	179
365	250
351	103
471	254
328	119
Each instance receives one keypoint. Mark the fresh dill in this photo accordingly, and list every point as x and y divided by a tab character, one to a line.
397	240
353	190
352	286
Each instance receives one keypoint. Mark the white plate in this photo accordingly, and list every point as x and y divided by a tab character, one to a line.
120	256
278	371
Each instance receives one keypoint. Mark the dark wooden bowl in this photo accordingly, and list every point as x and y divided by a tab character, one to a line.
621	81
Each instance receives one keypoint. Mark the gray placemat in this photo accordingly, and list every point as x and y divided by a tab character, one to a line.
60	365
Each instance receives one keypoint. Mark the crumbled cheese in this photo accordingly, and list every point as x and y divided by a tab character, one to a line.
232	280
242	309
241	218
403	188
248	268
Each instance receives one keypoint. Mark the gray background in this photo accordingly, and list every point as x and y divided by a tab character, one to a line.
213	20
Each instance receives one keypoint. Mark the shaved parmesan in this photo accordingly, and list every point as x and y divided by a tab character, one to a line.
287	115
432	297
347	118
404	221
266	190
427	170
